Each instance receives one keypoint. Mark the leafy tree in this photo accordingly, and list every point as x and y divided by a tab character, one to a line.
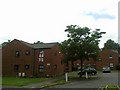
38	42
82	44
110	44
119	49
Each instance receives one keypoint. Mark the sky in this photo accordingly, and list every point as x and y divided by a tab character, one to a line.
46	20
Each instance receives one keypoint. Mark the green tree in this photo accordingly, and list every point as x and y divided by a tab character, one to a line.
110	44
82	44
38	42
119	49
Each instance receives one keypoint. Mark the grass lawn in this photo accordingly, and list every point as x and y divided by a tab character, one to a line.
0	80
13	81
112	87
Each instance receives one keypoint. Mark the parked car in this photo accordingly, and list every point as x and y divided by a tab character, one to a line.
106	69
89	70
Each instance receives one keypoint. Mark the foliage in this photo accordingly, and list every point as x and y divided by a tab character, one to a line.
110	44
81	44
38	42
118	67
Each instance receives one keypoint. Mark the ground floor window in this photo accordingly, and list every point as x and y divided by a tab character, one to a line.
111	65
27	66
41	68
16	67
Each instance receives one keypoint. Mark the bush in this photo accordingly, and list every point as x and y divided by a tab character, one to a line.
118	67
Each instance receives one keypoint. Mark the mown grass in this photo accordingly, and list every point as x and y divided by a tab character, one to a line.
112	87
13	81
0	80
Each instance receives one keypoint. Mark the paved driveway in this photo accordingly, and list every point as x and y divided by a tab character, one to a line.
102	80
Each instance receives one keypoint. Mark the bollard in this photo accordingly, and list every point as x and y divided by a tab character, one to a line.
66	77
86	75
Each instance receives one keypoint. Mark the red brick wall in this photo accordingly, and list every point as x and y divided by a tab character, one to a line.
9	59
105	60
53	57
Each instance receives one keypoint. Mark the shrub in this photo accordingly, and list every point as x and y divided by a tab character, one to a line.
118	67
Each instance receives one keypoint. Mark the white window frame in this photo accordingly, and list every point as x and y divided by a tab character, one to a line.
111	65
41	59
41	54
110	57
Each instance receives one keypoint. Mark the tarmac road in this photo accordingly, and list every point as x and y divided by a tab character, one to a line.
102	80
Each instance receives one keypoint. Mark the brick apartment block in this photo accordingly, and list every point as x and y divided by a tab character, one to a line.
20	58
106	58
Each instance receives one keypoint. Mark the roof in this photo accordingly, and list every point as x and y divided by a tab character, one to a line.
44	45
38	45
28	44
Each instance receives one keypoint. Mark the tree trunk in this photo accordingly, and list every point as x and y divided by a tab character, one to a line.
81	67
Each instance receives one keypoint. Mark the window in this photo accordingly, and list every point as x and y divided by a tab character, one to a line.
41	59
110	56
55	66
41	67
27	52
27	66
17	53
111	65
16	67
41	54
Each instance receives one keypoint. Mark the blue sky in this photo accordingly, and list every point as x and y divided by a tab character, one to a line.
46	20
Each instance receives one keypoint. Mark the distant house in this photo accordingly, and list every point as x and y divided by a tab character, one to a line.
20	58
106	58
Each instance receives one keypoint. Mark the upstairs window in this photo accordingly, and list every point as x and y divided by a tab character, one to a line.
110	57
27	66
41	54
41	59
27	52
17	53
